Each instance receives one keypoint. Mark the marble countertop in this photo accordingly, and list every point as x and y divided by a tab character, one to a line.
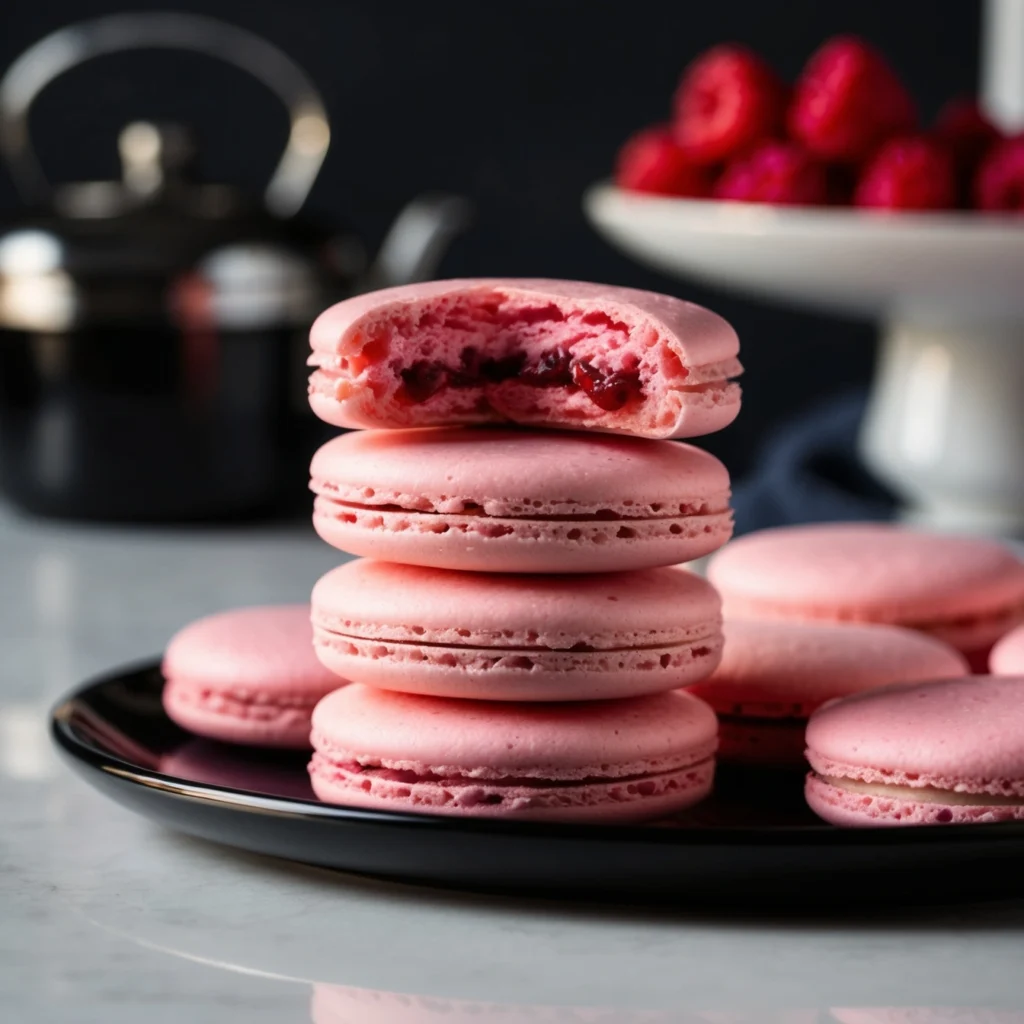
106	917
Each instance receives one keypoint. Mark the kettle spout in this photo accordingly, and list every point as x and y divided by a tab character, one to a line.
418	240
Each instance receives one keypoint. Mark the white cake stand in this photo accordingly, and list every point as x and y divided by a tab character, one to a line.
945	422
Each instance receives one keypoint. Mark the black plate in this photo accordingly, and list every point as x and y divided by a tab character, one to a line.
753	844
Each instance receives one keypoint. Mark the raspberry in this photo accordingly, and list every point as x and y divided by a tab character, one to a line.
999	184
728	100
966	132
776	172
651	162
848	101
912	173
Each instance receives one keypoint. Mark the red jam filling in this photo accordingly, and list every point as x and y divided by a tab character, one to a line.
555	368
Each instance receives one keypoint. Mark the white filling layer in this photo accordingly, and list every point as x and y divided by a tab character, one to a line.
922	794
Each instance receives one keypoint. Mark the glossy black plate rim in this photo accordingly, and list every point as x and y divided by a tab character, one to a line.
88	755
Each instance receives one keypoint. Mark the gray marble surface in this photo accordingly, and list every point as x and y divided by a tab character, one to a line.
105	917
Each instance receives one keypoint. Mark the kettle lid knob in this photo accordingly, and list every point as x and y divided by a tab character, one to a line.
154	156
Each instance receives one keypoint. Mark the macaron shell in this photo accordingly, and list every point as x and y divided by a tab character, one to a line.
1007	657
265	649
965	591
519	501
249	676
706	336
848	809
685	352
505	472
956	734
607	611
543	741
788	669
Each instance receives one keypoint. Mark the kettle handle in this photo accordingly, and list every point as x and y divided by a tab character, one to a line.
40	64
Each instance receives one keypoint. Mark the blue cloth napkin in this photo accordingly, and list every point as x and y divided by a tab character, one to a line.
809	471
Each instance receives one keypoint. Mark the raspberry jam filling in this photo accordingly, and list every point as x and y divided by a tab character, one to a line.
554	368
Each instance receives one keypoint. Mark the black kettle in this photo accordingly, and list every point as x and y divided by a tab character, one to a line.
153	329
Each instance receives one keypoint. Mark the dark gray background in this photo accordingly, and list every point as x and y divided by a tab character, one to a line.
519	105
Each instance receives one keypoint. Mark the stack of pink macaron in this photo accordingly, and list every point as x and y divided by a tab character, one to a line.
518	627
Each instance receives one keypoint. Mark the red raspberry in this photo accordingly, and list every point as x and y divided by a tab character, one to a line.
651	162
728	99
912	173
776	172
966	132
848	101
999	184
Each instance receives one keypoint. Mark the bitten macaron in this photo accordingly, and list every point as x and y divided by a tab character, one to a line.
774	675
501	500
599	761
935	753
541	353
966	591
490	636
248	676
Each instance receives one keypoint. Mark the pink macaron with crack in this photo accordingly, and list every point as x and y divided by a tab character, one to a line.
516	637
935	753
248	676
503	500
966	591
774	675
563	354
599	761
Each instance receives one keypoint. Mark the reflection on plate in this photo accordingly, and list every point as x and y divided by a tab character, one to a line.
336	1004
929	1015
753	844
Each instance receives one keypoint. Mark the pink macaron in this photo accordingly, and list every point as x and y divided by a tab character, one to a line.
611	761
247	676
773	675
964	590
563	354
515	637
936	753
503	500
1007	657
